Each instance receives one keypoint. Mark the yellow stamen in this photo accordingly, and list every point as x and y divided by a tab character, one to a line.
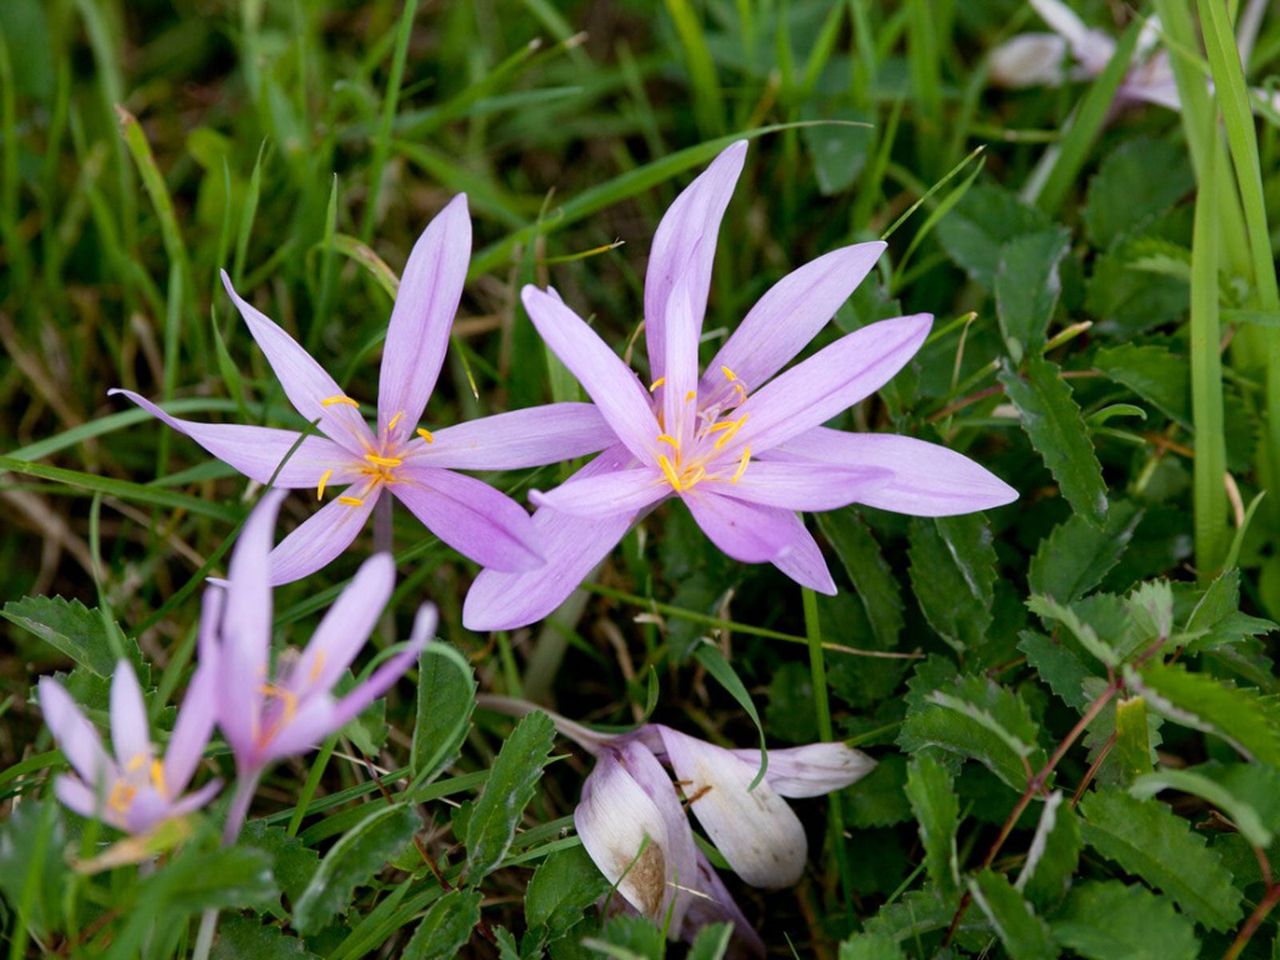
351	501
324	479
667	438
317	666
690	395
121	797
157	778
383	461
669	471
287	697
657	383
728	374
340	398
742	465
698	474
135	762
426	435
733	427
391	424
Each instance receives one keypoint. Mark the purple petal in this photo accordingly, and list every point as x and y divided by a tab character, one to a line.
802	484
623	491
130	729
258	451
745	531
786	318
685	242
345	627
316	541
757	832
305	382
192	730
195	800
927	480
711	903
621	398
572	548
521	438
1028	60
76	795
76	736
469	515
680	369
418	334
145	810
802	559
355	702
832	380
314	721
812	770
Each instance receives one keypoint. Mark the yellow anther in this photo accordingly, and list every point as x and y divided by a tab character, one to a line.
728	374
690	395
670	472
698	474
135	762
317	666
667	438
657	383
157	778
742	465
286	697
340	398
324	479
426	435
383	461
730	428
121	797
351	501
391	424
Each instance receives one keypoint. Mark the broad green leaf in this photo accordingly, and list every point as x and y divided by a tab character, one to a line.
1027	289
1150	606
1128	298
446	699
1154	373
1084	633
32	867
71	628
953	571
839	153
937	811
240	937
871	946
711	943
1130	758
292	861
1024	935
876	586
1217	620
629	937
1057	666
1145	838
912	915
354	860
1053	855
1076	555
1239	811
880	800
446	928
1237	714
232	877
1051	418
507	791
1136	183
984	220
1111	920
561	889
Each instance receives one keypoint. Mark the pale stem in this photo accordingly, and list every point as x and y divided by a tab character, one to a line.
236	814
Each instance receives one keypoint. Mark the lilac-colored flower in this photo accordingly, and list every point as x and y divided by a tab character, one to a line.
410	462
741	445
268	715
133	790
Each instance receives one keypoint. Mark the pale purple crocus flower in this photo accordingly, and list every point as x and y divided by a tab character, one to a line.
741	445
632	818
267	714
412	463
134	789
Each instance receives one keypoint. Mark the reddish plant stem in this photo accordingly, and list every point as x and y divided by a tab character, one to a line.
1251	925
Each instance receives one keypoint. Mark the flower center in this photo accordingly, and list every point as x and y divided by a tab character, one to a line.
284	716
378	466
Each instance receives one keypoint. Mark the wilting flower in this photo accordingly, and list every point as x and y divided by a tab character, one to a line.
632	818
414	464
742	448
266	715
133	790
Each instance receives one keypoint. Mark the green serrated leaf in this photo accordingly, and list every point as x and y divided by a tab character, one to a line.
233	877
982	222
32	868
70	627
1077	554
871	946
876	586
1111	920
880	800
1027	287
1053	855
1052	421
711	943
1084	633
292	861
912	915
1155	374
953	571
1057	666
1136	183
446	928
240	937
1145	838
937	811
1023	934
1131	756
446	700
1240	811
561	889
354	860
507	791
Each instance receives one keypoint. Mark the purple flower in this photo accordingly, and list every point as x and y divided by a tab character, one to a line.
266	716
133	790
411	462
742	445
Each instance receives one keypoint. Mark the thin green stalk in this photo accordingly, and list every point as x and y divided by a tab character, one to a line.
382	142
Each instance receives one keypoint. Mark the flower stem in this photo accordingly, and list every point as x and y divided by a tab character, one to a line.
236	813
382	541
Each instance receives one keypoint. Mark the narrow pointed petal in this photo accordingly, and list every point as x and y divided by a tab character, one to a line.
927	480
679	392
195	799
572	548
257	452
802	559
624	491
191	731
345	627
355	702
313	722
418	334
478	521
745	531
130	729
76	736
316	541
625	835
786	318
75	794
712	903
619	395
531	437
812	770
803	484
831	381
1028	60
685	243
305	382
757	832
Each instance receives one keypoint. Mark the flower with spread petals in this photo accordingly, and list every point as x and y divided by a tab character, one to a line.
741	445
414	464
265	715
133	790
